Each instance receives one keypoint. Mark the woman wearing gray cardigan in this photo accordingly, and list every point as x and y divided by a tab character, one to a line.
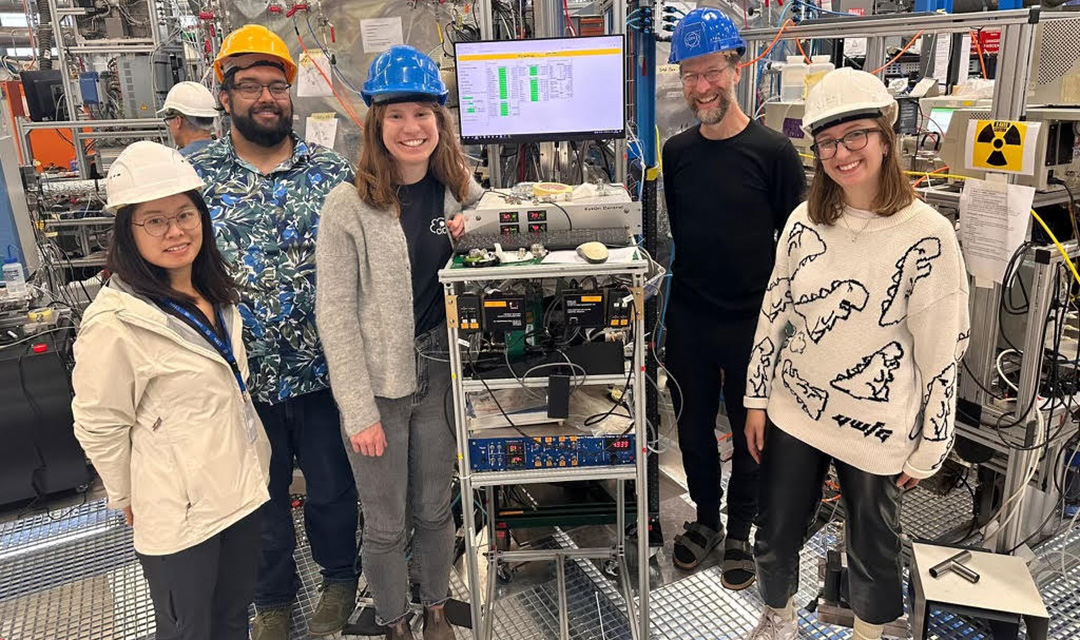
382	322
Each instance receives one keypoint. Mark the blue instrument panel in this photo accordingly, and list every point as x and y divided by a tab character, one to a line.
521	453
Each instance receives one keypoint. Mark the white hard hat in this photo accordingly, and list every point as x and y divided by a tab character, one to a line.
846	94
190	99
146	171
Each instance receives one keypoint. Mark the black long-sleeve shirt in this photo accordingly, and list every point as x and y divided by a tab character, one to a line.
727	200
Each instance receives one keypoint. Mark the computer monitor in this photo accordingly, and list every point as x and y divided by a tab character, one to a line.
44	93
939	119
517	91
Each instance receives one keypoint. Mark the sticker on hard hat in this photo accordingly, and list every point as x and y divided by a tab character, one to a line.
692	39
1002	146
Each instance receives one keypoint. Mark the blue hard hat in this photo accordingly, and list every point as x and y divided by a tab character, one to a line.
400	72
704	31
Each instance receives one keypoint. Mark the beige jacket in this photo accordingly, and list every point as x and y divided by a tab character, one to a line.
159	413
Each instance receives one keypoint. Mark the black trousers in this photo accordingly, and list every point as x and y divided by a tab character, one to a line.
203	592
701	350
791	488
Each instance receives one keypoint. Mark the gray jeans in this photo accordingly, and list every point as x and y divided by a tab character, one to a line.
411	478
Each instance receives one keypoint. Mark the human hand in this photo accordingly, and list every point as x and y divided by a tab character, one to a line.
456	225
129	516
755	433
370	442
904	481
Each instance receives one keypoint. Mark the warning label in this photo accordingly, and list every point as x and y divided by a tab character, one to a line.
1002	145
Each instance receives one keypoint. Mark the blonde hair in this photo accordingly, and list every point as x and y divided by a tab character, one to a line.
825	202
376	174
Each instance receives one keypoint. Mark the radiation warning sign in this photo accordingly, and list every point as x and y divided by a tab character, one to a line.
1002	145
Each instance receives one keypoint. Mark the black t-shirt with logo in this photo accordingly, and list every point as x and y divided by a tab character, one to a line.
429	248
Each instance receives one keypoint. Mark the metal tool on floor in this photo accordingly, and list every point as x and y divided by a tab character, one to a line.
956	565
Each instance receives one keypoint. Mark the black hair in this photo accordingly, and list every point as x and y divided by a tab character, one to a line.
209	273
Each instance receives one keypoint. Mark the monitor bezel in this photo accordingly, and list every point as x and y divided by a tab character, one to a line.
526	138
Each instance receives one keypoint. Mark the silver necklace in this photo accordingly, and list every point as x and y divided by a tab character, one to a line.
855	234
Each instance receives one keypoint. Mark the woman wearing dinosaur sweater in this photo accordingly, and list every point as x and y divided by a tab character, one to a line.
874	285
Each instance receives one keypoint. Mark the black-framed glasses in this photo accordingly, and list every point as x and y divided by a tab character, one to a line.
852	141
251	89
158	225
712	76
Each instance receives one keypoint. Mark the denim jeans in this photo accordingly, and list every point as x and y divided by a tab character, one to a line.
306	428
412	478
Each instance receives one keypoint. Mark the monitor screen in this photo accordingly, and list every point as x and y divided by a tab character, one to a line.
939	120
541	90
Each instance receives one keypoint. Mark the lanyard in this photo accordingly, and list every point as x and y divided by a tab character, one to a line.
223	347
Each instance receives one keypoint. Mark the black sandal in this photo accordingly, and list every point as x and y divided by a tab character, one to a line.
692	547
738	569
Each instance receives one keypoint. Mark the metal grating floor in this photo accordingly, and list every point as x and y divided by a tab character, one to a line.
73	575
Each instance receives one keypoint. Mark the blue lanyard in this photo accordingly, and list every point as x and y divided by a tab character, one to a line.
223	347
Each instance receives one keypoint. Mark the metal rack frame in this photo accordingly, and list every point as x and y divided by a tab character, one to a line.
483	596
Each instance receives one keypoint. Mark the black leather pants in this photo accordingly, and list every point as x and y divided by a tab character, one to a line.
792	473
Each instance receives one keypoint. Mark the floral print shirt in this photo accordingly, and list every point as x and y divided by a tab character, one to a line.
265	227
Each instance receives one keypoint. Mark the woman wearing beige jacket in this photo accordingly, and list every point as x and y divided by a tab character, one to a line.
161	405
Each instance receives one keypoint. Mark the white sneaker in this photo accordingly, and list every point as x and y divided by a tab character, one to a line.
773	627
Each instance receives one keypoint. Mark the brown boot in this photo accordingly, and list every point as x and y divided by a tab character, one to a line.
399	631
436	626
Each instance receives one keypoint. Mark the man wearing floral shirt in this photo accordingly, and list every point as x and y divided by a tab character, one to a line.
265	188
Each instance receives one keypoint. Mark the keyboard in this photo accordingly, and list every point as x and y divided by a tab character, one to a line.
554	240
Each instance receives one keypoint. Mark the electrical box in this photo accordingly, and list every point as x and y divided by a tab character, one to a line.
469	316
1055	66
145	80
504	313
585	309
1057	152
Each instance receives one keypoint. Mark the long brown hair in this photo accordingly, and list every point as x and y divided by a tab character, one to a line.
825	202
376	174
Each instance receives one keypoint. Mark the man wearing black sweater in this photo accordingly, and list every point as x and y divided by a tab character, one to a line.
729	185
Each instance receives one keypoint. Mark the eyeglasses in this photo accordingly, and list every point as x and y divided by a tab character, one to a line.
158	226
712	76
251	90
852	141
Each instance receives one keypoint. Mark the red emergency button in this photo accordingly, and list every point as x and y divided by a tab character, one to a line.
41	348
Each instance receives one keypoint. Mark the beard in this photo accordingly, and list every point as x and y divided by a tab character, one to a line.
712	115
264	136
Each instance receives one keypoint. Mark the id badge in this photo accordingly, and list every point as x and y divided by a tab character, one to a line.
250	419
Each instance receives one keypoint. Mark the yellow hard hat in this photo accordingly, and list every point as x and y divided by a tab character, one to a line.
254	38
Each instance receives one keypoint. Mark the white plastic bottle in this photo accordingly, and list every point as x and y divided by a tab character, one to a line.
791	79
819	66
14	278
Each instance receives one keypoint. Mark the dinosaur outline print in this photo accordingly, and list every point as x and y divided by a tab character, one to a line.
937	407
776	308
762	366
822	310
810	398
804	238
871	378
914	265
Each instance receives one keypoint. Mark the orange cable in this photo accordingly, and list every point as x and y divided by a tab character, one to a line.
806	58
772	44
978	48
897	56
330	83
928	174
